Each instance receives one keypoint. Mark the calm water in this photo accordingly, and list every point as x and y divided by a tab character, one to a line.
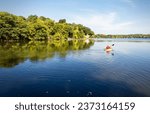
75	68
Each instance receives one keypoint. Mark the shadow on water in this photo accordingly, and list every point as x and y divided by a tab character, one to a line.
13	53
69	88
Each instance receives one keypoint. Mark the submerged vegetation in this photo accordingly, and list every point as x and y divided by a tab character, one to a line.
14	27
14	53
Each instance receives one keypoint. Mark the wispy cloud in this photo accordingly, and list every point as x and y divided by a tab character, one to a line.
104	23
130	2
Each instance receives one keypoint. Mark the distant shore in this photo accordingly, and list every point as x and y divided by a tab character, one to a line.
122	36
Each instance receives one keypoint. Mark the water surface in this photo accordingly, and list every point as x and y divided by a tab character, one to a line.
75	68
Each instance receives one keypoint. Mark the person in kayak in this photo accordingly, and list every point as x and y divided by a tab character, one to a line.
109	47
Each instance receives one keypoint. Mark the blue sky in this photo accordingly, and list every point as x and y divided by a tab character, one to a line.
102	16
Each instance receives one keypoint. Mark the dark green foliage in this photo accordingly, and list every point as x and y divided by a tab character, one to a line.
62	21
32	18
86	30
14	27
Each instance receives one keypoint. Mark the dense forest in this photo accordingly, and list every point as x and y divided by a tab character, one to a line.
14	27
122	36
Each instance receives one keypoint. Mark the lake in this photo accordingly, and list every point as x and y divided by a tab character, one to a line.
75	68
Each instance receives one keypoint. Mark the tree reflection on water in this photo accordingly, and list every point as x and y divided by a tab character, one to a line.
13	53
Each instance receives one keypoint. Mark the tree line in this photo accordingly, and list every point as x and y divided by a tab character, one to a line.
122	36
13	27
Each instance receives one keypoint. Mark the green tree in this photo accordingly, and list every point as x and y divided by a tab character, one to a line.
62	21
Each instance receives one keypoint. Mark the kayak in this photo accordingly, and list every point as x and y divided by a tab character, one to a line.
108	49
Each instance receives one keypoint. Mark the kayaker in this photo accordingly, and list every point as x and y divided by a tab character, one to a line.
109	47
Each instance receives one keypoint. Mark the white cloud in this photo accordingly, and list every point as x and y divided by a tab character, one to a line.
104	23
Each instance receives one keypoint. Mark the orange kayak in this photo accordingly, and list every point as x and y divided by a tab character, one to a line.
108	49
